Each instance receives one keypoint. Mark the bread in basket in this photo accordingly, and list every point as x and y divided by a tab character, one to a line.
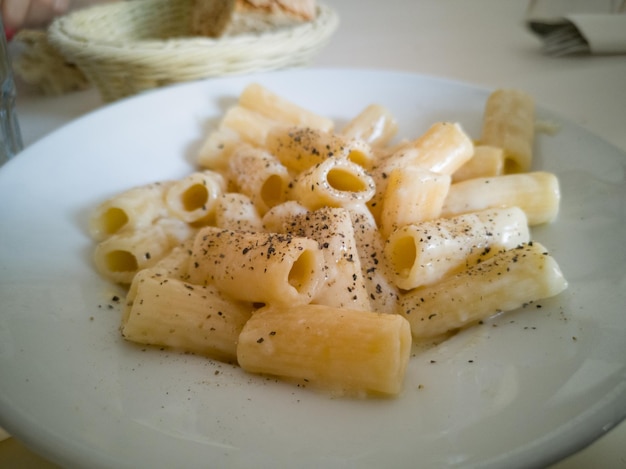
127	47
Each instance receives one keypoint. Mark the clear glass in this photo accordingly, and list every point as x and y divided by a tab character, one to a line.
10	135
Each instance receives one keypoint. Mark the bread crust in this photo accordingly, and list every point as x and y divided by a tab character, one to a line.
211	17
298	9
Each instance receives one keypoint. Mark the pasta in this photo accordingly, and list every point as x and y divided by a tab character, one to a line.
412	195
135	209
237	211
273	106
169	312
537	193
375	125
318	256
424	253
259	175
121	256
333	183
487	161
317	344
193	198
275	268
300	148
442	149
509	123
332	229
504	282
383	294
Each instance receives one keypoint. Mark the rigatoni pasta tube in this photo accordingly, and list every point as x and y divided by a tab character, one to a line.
344	285
487	161
216	148
236	211
300	148
175	264
333	183
192	199
122	255
383	294
251	126
169	312
374	125
443	149
275	218
344	351
413	195
537	193
258	267
134	209
260	99
423	253
509	123
259	175
504	282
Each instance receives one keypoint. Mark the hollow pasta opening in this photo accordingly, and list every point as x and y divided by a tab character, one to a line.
346	181
403	255
272	191
121	261
195	197
113	220
511	166
358	157
300	273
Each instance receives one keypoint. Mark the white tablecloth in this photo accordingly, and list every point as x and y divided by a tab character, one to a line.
483	42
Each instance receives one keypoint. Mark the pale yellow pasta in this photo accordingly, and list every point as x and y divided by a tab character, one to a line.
488	161
168	312
175	264
509	123
216	148
333	183
235	211
251	126
134	209
344	285
383	294
193	198
343	351
122	255
504	282
412	195
274	219
316	255
374	125
443	148
537	193
259	175
300	148
260	99
266	268
424	253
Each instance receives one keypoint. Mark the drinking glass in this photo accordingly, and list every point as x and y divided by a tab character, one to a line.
10	135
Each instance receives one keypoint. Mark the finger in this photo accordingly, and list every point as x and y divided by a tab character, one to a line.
41	12
14	13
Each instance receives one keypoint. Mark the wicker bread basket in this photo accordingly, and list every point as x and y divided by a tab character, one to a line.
127	47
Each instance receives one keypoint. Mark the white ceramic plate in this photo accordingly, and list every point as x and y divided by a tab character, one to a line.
523	390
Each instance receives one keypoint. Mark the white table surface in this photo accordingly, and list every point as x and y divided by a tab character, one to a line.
483	42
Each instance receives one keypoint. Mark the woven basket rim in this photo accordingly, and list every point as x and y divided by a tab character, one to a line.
289	38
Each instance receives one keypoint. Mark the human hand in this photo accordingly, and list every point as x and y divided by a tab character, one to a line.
18	14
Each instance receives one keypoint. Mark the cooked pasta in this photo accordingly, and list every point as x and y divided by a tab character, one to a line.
319	344
317	255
